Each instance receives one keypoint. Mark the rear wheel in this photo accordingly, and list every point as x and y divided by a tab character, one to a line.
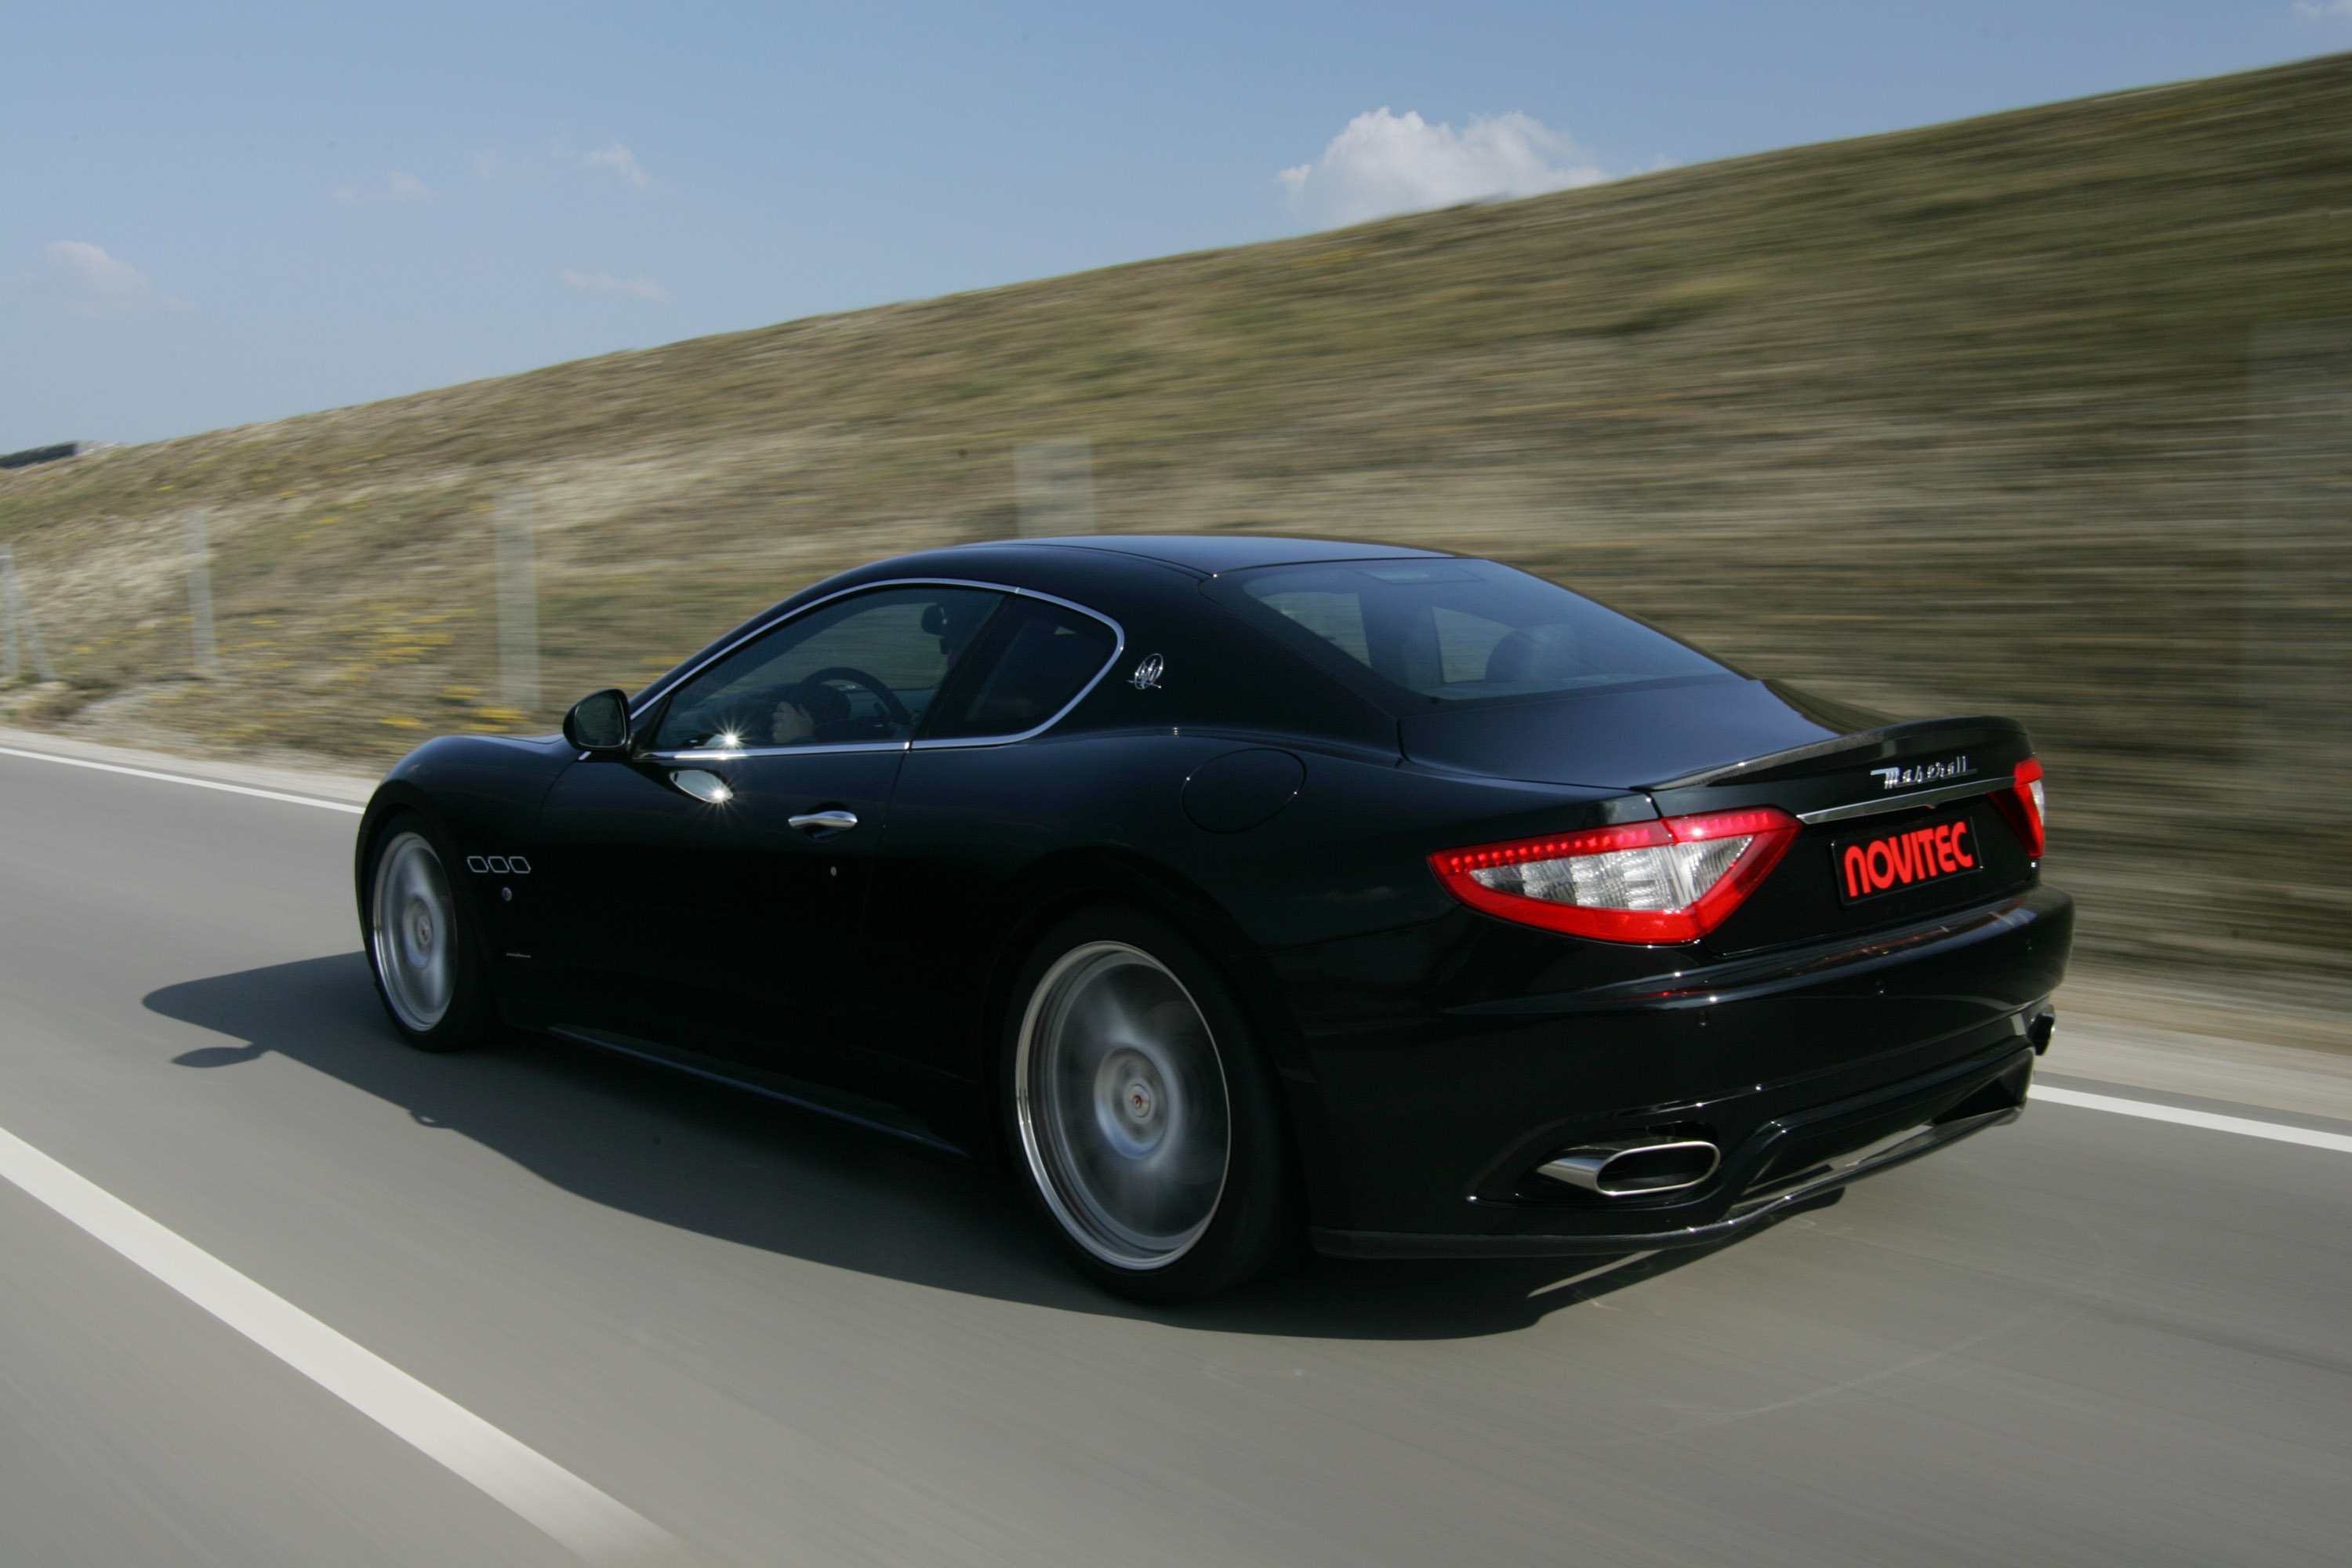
1145	1124
428	971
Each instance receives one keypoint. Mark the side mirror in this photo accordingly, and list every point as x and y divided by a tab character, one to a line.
599	722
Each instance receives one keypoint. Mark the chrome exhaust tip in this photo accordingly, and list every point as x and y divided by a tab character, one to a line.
1635	1167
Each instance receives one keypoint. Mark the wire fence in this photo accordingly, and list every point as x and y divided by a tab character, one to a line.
504	686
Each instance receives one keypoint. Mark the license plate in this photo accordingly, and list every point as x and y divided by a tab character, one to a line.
1869	865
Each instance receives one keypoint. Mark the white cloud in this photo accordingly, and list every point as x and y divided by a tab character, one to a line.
637	287
1384	164
2322	10
622	163
84	280
403	188
499	171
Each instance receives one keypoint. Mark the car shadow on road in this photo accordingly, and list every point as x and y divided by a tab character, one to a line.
710	1158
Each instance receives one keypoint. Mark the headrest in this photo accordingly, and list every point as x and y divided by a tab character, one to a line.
1533	653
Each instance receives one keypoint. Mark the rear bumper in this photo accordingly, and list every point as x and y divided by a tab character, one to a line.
1422	1130
1981	1083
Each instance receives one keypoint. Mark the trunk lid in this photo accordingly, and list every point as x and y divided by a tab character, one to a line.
1915	805
1627	736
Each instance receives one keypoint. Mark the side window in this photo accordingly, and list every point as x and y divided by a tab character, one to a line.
1036	657
864	668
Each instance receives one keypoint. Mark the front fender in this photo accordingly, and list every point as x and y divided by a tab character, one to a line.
481	795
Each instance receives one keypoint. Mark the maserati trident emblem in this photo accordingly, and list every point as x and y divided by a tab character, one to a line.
1950	768
1147	674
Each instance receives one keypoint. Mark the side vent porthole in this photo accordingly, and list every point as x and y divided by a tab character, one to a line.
497	865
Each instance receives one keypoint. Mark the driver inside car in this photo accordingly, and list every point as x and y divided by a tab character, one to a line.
805	713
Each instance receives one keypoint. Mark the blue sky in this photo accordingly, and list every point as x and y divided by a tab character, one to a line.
210	216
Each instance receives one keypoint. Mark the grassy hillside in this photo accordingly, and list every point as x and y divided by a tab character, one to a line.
2047	414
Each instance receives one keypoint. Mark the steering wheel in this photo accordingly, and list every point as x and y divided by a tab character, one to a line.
882	694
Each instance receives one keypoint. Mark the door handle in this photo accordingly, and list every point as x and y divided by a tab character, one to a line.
832	820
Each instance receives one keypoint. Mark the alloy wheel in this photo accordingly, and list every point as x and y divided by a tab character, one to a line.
414	929
1122	1105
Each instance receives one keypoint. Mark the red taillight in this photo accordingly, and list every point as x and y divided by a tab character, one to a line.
1672	881
2021	804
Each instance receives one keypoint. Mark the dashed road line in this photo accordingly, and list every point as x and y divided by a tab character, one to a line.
2245	1126
595	1526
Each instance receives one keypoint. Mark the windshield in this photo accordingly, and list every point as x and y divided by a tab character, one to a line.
1456	630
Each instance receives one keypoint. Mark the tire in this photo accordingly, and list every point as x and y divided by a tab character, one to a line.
1142	1121
421	942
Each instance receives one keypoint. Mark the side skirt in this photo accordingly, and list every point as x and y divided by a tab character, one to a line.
839	1104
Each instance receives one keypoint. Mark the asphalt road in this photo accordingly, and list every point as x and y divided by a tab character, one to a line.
2088	1337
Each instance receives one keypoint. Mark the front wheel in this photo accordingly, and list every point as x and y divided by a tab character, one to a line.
427	972
1145	1125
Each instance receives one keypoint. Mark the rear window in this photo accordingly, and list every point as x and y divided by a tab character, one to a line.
1454	631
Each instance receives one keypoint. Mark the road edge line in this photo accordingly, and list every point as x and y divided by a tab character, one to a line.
183	779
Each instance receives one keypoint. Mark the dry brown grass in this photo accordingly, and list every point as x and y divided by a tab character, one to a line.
2030	415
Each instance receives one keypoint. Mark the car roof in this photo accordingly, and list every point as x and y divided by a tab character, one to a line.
1212	554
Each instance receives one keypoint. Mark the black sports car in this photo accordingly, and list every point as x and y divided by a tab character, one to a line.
1232	887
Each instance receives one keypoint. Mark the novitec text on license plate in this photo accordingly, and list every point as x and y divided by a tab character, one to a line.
1868	866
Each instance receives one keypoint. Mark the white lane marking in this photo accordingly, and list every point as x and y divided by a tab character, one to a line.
591	1524
2246	1125
183	779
